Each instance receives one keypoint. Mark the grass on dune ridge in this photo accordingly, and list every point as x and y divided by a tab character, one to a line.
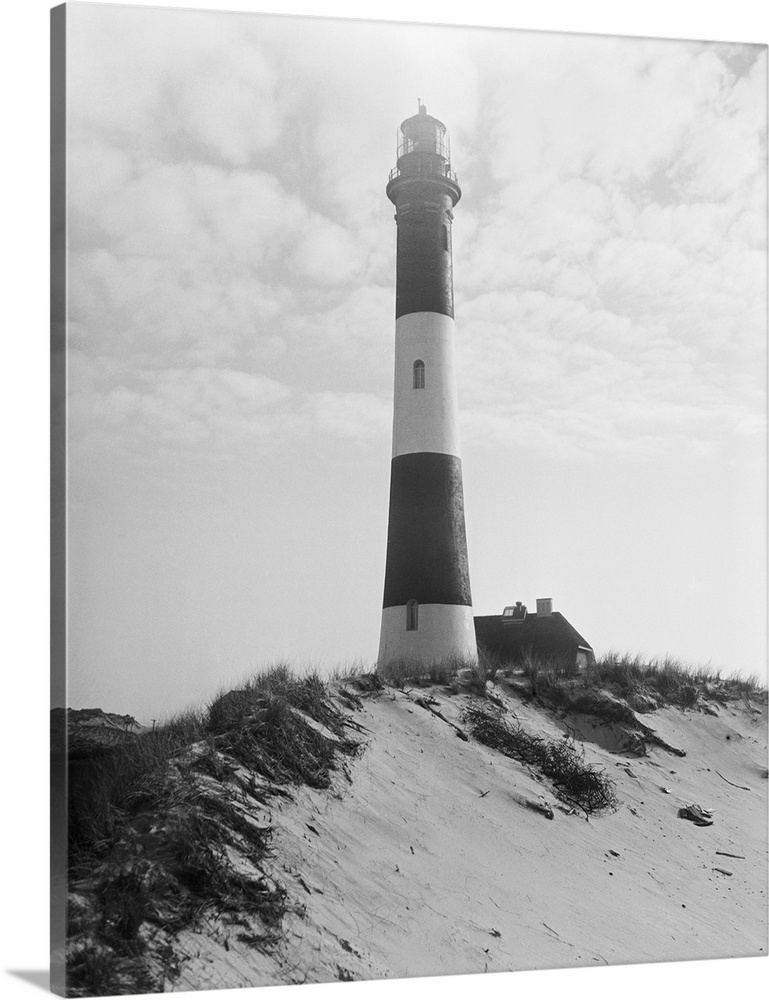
669	679
404	673
255	725
673	680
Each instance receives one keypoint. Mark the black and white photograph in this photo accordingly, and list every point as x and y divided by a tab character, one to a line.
408	500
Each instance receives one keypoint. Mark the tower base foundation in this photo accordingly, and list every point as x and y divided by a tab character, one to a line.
443	632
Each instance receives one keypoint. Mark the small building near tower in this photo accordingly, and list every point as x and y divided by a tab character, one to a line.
545	634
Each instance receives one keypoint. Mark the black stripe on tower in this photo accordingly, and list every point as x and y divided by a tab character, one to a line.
424	266
426	543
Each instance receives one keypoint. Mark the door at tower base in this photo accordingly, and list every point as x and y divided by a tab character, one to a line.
427	634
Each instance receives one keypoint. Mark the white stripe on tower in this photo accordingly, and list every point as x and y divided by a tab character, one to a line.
427	614
425	419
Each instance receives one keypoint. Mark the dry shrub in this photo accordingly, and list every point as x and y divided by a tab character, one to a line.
576	782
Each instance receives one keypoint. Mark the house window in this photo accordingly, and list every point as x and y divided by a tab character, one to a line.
514	615
412	616
419	374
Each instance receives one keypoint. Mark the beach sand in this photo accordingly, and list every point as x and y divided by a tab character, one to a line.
425	857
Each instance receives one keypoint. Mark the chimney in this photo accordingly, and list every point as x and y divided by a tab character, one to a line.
544	607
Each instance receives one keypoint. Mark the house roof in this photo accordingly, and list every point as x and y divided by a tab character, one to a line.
550	634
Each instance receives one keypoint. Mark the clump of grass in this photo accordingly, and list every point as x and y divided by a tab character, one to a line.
554	669
623	673
641	681
747	688
489	663
668	679
106	786
174	861
369	683
413	673
263	732
94	970
574	781
350	672
308	693
185	862
485	669
447	672
617	685
587	696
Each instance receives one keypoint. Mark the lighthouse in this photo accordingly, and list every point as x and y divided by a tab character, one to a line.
427	611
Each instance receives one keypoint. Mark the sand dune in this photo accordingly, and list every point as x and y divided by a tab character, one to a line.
426	857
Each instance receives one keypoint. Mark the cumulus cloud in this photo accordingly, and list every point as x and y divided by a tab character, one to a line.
228	221
630	220
215	410
176	85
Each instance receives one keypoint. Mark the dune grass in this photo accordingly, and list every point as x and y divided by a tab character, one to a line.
617	686
410	673
671	680
119	780
451	672
661	680
574	781
650	682
260	727
156	824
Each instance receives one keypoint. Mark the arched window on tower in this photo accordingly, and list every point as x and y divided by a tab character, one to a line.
445	237
419	374
412	616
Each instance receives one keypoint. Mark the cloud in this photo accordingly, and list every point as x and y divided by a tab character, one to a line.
173	84
353	415
218	411
327	254
614	286
198	255
347	341
228	216
725	145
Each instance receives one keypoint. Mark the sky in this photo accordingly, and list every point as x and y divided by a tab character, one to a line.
231	329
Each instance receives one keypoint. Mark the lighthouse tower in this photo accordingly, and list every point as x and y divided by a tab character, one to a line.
427	614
